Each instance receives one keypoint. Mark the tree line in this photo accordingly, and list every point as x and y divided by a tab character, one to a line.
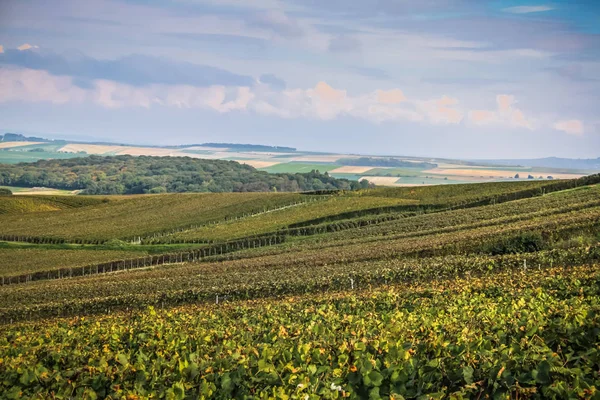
146	174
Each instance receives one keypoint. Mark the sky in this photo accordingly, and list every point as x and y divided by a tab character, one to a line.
441	78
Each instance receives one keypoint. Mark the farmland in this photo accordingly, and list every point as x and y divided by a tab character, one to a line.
410	171
473	290
27	204
293	167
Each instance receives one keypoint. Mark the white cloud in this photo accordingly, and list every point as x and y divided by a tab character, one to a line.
26	85
441	111
506	114
510	114
527	9
328	94
393	96
504	102
381	113
27	46
322	102
482	117
570	127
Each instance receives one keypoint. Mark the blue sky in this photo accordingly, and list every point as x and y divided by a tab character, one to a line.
447	78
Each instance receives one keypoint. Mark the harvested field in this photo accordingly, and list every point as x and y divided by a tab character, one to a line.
128	150
90	148
8	145
486	173
149	151
258	163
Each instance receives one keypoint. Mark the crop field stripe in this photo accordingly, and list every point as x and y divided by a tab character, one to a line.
371	274
252	242
143	262
152	237
565	224
95	233
119	220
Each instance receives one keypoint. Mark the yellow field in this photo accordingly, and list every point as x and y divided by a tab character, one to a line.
8	145
258	163
149	151
90	148
348	169
126	150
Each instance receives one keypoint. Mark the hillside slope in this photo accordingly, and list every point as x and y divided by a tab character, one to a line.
469	291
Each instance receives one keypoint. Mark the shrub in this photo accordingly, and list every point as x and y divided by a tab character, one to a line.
525	242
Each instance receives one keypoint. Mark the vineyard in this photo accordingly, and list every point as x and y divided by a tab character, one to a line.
29	204
454	291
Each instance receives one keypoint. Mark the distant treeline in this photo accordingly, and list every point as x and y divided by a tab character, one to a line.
559	164
17	137
384	162
243	147
144	174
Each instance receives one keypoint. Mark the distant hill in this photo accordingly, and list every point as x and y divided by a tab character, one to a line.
17	137
249	147
552	162
145	174
385	162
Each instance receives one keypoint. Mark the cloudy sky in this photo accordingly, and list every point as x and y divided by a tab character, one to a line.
453	78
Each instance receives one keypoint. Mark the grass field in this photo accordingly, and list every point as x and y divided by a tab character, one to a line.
15	157
294	167
454	291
